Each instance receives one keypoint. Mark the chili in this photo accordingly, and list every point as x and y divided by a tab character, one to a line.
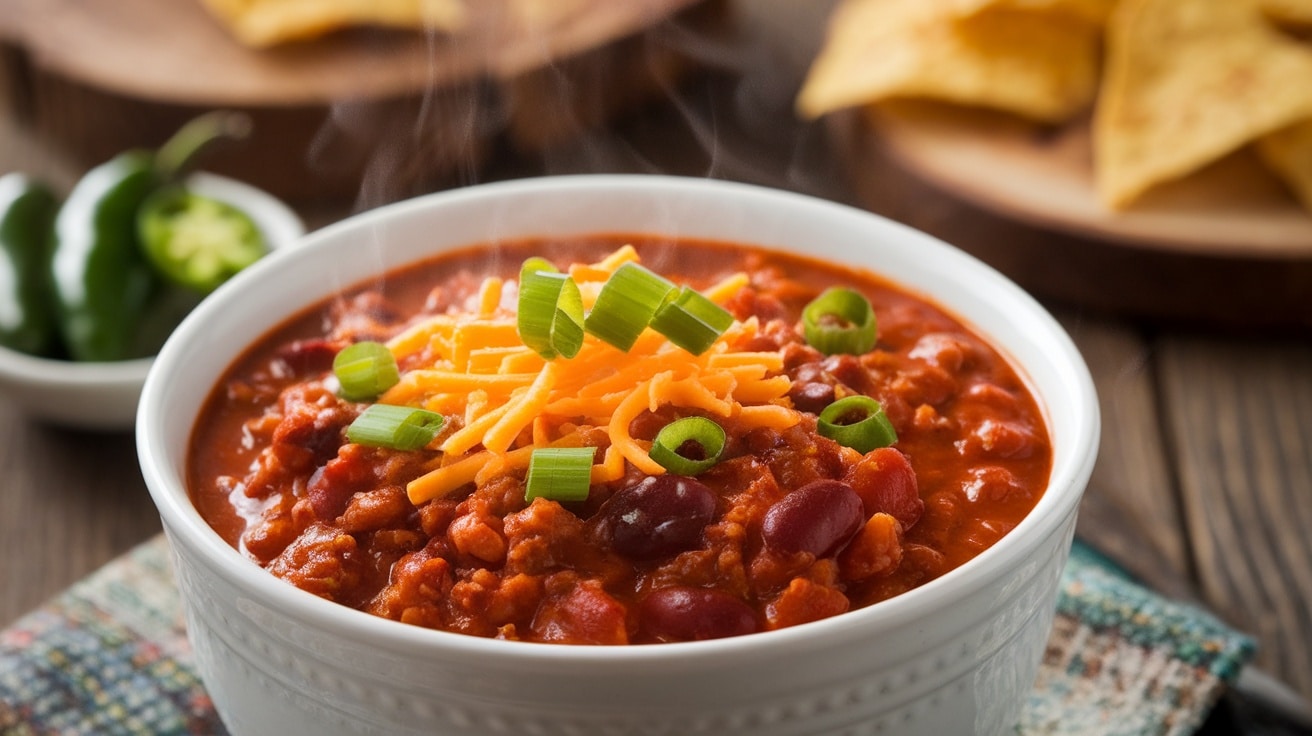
786	527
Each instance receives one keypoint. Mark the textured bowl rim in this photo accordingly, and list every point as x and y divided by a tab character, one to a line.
1073	460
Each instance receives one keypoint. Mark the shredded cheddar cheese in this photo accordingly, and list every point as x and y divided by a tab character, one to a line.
507	400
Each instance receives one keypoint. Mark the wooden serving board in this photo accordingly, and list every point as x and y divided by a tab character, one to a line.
1044	175
356	111
1227	245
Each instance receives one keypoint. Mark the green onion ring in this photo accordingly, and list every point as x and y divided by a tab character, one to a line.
559	473
840	320
674	436
858	422
691	321
365	369
550	310
396	427
627	302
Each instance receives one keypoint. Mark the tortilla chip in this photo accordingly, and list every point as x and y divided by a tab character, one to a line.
1041	66
1187	82
261	23
1089	11
1288	153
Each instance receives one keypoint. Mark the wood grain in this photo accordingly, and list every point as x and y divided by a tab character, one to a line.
1131	510
1239	417
71	502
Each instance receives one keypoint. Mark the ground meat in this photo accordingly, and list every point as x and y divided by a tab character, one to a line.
271	469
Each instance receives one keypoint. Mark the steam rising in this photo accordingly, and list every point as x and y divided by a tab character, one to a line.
706	93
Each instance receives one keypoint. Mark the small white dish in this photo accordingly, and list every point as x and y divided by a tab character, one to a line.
103	395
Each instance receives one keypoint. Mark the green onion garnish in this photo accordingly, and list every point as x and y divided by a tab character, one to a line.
699	437
550	313
559	473
397	427
627	302
365	370
840	320
691	321
858	422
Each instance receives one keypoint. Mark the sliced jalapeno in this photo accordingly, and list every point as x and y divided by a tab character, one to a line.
104	285
196	241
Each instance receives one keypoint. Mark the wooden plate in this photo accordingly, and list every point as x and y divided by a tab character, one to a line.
1226	245
1045	176
348	113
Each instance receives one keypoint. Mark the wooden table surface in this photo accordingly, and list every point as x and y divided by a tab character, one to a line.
1203	487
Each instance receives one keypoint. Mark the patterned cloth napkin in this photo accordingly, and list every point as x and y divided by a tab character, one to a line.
109	656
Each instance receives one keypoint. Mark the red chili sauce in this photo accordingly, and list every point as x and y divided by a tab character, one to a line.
788	527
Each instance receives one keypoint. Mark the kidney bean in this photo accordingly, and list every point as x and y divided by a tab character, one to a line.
847	369
660	515
812	397
886	483
819	518
683	613
303	357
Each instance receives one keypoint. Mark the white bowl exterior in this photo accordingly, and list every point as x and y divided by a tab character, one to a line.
957	655
103	396
964	669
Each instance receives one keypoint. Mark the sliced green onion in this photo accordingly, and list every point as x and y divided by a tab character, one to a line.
691	321
627	302
672	442
550	314
840	320
559	473
858	422
397	427
365	370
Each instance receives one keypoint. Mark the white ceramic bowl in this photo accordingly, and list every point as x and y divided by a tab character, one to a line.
103	396
956	656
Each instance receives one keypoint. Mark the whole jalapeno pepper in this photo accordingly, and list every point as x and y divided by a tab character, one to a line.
27	208
103	281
